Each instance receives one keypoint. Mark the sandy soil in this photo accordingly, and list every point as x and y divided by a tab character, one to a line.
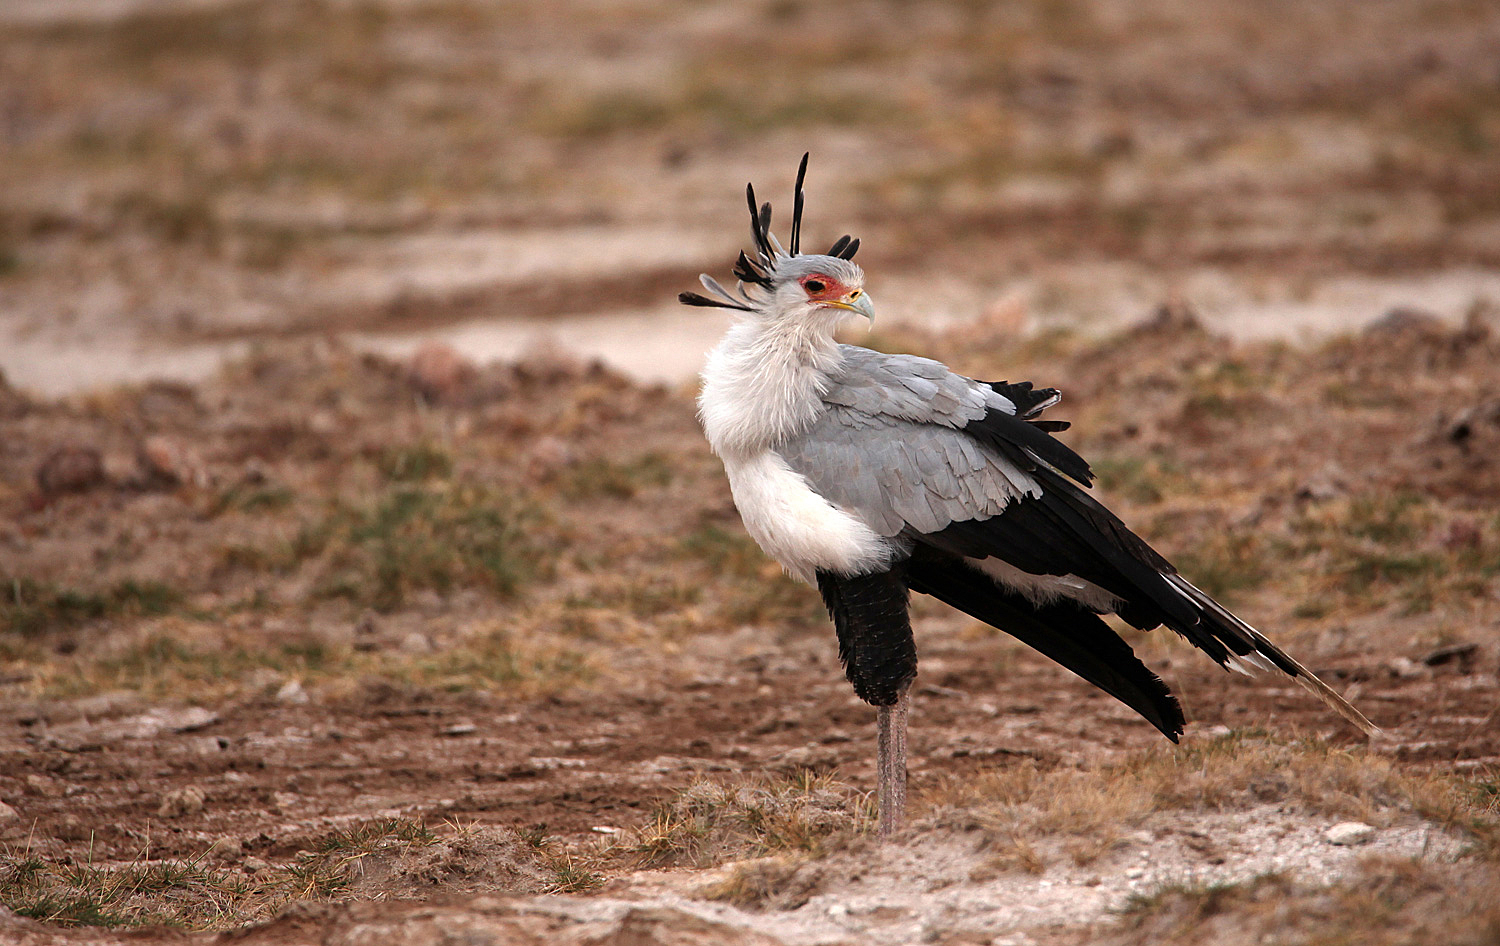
264	701
320	624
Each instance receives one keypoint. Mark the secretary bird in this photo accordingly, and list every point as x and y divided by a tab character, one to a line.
872	475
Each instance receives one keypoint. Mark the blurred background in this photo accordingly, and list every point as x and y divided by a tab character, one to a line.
358	616
184	178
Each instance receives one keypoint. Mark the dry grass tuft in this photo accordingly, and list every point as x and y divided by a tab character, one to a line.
711	822
770	883
364	860
1019	808
1390	901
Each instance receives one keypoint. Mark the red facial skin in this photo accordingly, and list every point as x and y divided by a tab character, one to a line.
832	291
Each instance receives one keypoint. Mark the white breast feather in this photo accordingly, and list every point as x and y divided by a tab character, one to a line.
797	527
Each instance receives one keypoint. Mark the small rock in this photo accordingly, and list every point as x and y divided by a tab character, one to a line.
461	728
416	642
284	801
438	372
1135	873
70	469
1171	317
42	785
1404	319
1472	426
1404	668
548	456
292	693
1461	535
167	462
1320	488
1461	654
1349	833
228	848
72	828
7	813
190	719
181	802
254	865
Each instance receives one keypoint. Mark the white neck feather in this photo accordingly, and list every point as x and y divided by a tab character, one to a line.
765	381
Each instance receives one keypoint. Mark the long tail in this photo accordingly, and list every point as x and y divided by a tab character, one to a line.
1266	656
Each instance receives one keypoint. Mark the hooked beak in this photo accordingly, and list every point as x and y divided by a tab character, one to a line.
857	301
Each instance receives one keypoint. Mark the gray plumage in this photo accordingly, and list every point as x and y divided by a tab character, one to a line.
889	445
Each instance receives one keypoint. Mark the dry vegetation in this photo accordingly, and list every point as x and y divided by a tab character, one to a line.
457	562
325	633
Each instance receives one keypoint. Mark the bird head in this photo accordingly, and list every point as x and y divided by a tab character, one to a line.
781	284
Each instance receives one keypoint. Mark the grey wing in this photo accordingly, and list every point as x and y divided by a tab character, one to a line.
895	473
909	388
890	446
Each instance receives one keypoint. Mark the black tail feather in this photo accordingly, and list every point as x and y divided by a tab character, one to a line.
1063	631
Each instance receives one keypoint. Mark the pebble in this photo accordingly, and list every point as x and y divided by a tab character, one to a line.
438	372
1349	833
415	642
460	728
291	693
181	802
170	462
70	469
42	785
7	813
1135	873
254	865
189	719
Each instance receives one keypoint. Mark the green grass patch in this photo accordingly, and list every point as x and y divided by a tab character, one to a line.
63	892
440	537
1226	563
414	463
748	586
606	478
164	666
30	608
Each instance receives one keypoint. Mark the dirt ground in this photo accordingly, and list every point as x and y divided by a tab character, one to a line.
326	627
235	645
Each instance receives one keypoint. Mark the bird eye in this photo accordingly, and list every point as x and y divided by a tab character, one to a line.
815	285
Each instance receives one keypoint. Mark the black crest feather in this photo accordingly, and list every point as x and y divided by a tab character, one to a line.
759	268
797	201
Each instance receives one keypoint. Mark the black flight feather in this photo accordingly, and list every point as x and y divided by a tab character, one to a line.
1062	630
1028	446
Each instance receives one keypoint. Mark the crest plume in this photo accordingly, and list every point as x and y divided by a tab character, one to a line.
760	270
